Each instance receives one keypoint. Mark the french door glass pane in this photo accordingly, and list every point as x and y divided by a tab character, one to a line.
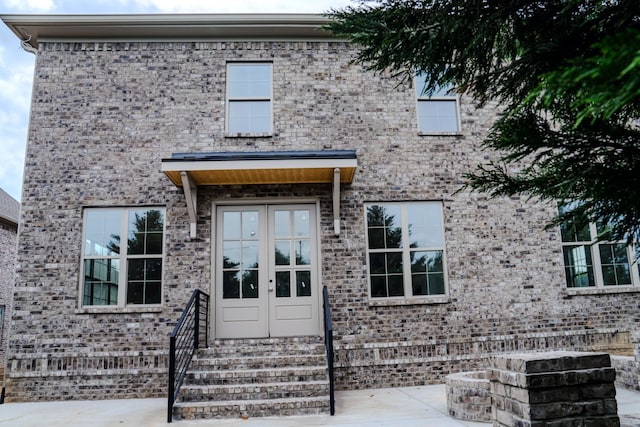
250	225
283	284
283	252
303	283
303	252
281	224
301	223
250	284
230	284
231	226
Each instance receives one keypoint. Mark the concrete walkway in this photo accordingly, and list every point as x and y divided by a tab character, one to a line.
423	406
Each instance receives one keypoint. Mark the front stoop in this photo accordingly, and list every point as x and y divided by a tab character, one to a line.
256	378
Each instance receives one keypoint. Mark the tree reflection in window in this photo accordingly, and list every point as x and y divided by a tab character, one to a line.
387	226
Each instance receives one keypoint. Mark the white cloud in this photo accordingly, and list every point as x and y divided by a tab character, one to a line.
29	5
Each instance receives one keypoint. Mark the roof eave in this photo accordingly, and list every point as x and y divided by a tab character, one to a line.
167	27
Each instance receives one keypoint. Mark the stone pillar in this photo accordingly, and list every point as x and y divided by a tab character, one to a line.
559	388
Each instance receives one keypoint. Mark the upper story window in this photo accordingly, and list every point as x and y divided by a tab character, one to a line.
122	256
405	249
438	112
589	263
249	98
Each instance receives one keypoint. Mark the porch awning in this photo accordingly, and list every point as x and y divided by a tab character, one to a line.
190	170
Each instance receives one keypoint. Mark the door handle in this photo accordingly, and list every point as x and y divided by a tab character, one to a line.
270	289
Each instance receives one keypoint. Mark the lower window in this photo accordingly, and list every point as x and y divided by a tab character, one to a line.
405	249
122	256
591	263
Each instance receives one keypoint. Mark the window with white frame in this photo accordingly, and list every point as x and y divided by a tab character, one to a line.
122	256
405	249
592	263
249	98
438	111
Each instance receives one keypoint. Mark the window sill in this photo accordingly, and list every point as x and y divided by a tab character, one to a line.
571	292
119	310
423	133
384	302
249	135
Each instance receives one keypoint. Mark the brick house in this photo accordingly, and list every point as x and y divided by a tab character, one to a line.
247	157
9	214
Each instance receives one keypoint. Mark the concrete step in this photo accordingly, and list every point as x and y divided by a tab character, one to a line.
264	347
251	409
247	392
208	363
253	376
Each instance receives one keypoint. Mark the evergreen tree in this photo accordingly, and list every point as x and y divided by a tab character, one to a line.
567	76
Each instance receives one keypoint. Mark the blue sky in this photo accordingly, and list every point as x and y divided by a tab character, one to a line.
16	65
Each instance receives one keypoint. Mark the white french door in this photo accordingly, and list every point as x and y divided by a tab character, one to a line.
266	281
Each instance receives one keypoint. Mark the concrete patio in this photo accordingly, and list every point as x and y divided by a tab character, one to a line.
406	407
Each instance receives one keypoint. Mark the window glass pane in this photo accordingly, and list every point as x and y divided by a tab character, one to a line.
303	283
383	223
102	232
250	284
135	292
281	219
301	223
230	284
438	116
425	225
303	252
377	263
283	285
570	229
578	266
376	238
249	80
396	285
378	286
394	263
426	261
419	284
152	293
440	91
250	225
142	275
153	244
250	254
140	224
249	116
231	221
615	264
101	281
436	283
283	254
231	254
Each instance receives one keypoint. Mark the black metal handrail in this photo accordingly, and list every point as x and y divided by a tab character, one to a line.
186	337
328	343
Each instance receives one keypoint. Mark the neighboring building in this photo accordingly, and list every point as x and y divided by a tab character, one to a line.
246	156
9	215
